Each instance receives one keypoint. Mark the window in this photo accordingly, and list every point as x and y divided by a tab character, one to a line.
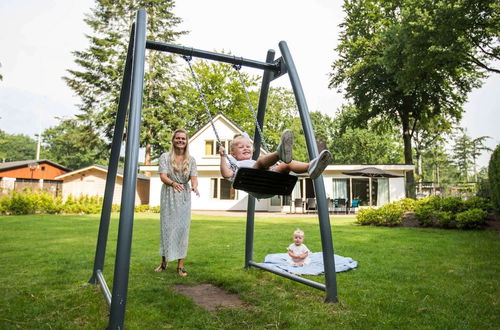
215	188
226	190
211	147
222	189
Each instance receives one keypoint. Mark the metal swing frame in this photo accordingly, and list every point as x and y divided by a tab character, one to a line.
131	102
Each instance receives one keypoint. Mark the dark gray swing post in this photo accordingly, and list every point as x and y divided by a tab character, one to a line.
131	99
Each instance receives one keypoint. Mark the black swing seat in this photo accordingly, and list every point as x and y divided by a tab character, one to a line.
264	182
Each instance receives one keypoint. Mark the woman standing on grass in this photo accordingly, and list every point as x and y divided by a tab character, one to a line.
176	168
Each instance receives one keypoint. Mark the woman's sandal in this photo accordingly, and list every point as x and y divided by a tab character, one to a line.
182	271
161	267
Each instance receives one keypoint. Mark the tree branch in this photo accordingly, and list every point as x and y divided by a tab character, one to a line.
482	65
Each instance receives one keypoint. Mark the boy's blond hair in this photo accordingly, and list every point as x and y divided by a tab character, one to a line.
238	138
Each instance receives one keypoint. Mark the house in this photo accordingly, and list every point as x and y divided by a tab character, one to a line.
91	181
216	193
34	174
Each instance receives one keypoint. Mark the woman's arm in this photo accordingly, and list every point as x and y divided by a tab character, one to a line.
194	185
224	169
169	182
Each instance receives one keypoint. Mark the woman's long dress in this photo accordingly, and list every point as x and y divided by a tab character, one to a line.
175	211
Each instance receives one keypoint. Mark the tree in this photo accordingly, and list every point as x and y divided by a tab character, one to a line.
102	63
16	147
424	139
74	143
223	93
494	178
372	143
410	61
466	151
461	154
478	147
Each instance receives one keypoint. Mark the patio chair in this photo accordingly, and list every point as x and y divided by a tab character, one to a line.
298	202
343	205
311	205
354	206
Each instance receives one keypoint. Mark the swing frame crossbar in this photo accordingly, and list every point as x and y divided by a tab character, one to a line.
130	106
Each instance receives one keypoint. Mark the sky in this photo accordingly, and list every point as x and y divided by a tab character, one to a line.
38	38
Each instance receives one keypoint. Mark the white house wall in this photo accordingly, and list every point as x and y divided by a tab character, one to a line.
205	202
93	183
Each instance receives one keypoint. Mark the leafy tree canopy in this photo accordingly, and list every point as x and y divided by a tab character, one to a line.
74	144
15	147
98	81
411	61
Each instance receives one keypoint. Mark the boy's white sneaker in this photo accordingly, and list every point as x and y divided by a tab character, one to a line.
285	148
318	164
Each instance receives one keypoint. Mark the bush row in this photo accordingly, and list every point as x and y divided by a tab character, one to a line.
453	212
28	202
450	212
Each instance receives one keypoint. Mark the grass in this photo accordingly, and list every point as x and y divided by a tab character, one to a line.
408	278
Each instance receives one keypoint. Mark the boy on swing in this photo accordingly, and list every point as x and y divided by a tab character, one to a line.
242	151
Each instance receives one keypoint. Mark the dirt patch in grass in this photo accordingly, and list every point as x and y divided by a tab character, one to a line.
492	222
209	296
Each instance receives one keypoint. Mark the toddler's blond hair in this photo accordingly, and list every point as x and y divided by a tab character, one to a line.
298	232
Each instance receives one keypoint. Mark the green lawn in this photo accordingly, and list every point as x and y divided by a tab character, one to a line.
407	278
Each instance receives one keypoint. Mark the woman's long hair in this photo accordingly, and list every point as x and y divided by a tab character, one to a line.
185	161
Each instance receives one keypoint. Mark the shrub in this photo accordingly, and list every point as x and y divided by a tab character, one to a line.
82	205
141	208
494	178
407	204
471	219
476	202
366	216
425	215
444	219
49	204
155	209
391	214
387	215
21	203
452	204
4	204
483	189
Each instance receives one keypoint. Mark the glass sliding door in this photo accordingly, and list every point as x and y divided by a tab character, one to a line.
360	191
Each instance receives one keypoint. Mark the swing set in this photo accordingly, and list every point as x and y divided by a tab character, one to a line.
250	180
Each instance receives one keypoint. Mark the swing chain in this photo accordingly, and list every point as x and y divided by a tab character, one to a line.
233	166
237	67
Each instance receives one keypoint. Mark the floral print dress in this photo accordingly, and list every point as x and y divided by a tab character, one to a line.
175	210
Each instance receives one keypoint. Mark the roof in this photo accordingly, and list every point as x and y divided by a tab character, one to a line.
218	117
26	163
228	122
101	168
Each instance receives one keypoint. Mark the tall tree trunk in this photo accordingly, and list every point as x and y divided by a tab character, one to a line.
410	176
419	169
147	158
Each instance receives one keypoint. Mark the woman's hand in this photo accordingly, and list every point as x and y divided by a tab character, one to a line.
222	150
177	186
195	190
